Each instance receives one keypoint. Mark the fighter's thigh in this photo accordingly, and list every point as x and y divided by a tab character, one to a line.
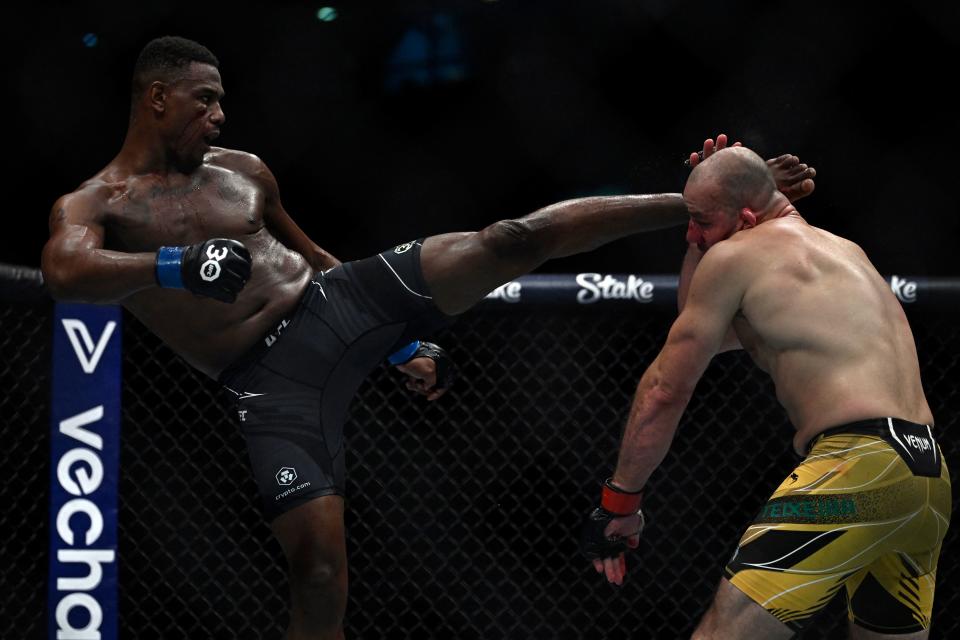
890	596
732	615
461	268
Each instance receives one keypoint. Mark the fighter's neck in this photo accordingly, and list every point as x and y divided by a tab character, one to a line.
145	152
779	208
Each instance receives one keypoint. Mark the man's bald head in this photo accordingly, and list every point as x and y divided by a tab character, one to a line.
736	178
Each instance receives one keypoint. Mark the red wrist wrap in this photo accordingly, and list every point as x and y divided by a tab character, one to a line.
620	502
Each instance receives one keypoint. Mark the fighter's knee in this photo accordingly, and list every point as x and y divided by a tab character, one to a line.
509	238
317	574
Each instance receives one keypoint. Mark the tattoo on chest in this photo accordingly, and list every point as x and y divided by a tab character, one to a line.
177	191
206	200
138	210
163	201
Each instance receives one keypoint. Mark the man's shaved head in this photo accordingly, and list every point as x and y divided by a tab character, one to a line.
737	178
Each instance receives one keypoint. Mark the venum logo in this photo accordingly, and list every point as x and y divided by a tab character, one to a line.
509	292
918	443
594	287
286	476
403	248
905	290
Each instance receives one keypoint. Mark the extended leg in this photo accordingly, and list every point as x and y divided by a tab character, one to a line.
461	268
313	540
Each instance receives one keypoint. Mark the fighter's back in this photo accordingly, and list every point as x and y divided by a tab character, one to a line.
822	321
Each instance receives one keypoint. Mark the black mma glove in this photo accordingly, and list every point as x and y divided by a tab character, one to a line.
218	268
614	503
446	370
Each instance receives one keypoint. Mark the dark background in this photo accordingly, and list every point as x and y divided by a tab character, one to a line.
513	106
501	107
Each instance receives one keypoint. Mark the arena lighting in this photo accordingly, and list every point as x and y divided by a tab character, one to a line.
326	14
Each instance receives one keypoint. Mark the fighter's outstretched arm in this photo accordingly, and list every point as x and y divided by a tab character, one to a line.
663	394
668	383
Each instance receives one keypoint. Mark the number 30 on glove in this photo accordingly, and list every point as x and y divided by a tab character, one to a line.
218	268
615	525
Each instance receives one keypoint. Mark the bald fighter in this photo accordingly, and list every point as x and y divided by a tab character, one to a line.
194	241
867	509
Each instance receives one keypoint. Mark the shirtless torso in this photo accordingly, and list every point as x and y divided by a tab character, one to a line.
232	195
817	317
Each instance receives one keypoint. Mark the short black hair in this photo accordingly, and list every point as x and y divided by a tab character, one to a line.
164	58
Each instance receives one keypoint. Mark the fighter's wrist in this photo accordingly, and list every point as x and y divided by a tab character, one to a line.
169	267
404	354
620	501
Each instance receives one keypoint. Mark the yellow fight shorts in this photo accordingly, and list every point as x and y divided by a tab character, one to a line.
867	510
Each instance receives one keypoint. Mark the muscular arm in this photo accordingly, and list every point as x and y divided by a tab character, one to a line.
282	226
75	265
665	389
690	261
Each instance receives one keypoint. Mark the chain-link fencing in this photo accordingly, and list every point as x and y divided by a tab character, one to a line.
462	514
25	464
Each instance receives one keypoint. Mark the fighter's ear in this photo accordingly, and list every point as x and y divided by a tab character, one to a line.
157	96
748	217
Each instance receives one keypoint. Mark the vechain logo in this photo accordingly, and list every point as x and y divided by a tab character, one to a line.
80	473
595	287
84	444
88	353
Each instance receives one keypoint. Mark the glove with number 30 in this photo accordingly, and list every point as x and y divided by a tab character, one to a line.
218	268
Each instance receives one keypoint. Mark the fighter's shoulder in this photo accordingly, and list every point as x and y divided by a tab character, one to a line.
236	160
840	240
87	200
767	241
729	253
723	265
